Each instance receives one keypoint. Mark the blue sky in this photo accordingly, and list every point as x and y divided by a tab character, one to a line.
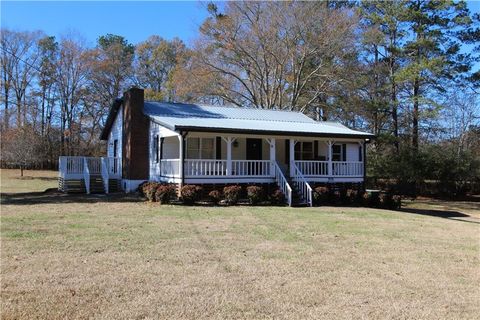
134	20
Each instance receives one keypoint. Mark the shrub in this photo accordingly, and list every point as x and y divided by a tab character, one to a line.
215	196
255	194
164	193
389	201
149	190
351	196
321	195
143	187
190	193
277	197
371	199
232	194
397	202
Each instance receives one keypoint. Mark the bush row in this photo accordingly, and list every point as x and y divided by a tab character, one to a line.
189	194
327	196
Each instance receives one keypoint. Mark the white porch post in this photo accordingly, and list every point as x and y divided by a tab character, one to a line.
330	166
181	156
292	157
228	141
272	144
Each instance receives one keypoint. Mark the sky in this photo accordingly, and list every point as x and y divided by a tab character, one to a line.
134	20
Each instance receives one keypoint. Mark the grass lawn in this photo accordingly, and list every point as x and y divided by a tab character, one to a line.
112	257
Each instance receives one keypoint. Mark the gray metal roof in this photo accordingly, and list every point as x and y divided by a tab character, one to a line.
179	116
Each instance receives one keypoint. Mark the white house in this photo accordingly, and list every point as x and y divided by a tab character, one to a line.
201	144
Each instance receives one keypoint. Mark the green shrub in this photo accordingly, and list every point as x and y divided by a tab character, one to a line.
232	194
321	195
277	197
255	194
190	193
164	193
215	196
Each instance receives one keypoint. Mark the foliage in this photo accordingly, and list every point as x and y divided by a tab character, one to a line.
215	196
255	194
277	197
164	193
150	191
232	194
190	193
321	195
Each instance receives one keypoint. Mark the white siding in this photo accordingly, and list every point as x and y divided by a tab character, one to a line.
352	151
116	133
170	147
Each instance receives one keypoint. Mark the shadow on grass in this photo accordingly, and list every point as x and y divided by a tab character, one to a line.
53	196
446	214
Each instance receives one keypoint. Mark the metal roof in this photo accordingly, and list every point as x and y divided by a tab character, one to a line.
194	117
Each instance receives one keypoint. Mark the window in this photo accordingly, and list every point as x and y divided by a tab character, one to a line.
339	152
304	150
360	153
200	148
115	148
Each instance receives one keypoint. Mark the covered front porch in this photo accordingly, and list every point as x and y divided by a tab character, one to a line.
212	158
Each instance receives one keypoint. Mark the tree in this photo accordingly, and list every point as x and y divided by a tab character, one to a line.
274	54
20	147
155	61
48	48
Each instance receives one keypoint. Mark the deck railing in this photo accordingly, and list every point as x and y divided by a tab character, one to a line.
312	168
170	168
347	168
84	167
205	168
251	168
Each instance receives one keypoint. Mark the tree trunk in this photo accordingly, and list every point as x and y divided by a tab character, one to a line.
416	87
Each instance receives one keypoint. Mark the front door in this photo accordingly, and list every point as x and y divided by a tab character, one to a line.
254	152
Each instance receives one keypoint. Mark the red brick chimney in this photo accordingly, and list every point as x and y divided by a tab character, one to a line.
135	163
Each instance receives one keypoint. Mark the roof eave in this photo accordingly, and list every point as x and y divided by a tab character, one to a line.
276	133
112	114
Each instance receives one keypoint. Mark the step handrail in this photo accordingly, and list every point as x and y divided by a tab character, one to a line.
303	186
86	175
283	183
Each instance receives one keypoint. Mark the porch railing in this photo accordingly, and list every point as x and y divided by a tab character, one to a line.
205	168
339	168
170	168
347	168
252	168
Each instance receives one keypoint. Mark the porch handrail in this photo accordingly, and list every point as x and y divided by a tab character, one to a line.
302	185
252	168
105	177
205	167
86	175
347	168
312	167
282	183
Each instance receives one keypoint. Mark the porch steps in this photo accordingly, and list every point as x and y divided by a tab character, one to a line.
114	185
96	184
297	199
72	186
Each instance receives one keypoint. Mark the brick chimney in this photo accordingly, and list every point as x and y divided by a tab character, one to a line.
135	163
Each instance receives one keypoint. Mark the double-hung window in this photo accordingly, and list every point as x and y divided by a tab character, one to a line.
304	150
200	148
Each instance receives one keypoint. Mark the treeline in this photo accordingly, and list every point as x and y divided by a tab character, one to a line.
404	70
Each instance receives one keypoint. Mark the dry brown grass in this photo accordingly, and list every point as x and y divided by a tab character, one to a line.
80	257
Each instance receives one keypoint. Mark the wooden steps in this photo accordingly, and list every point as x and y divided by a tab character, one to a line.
96	185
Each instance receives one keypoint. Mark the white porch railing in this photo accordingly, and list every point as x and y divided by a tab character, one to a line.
83	167
339	168
252	168
347	168
312	168
283	183
205	168
302	186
